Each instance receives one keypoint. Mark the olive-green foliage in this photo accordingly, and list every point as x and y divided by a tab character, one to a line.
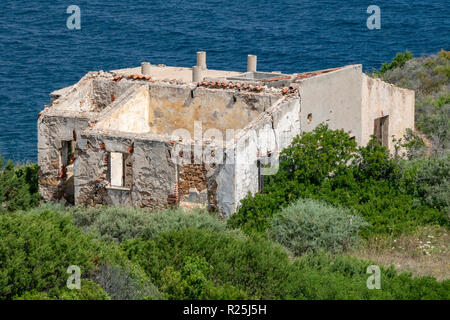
193	282
429	179
18	186
309	225
188	263
326	165
120	223
398	62
324	277
239	265
429	78
89	290
125	283
38	246
37	249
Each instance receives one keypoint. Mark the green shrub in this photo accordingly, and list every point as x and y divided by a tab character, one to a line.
238	266
120	223
326	165
18	186
89	290
193	282
429	78
309	225
346	278
317	156
429	179
189	263
125	283
37	247
398	62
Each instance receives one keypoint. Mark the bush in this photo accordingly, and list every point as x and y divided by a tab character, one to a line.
309	225
235	265
190	264
310	160
37	247
124	283
398	62
121	223
429	78
18	186
326	165
193	282
89	290
429	179
346	278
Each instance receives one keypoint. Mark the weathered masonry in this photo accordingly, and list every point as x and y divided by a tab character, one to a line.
156	136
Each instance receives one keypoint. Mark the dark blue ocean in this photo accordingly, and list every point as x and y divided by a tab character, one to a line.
39	54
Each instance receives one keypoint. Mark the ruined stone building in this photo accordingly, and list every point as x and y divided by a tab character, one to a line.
156	136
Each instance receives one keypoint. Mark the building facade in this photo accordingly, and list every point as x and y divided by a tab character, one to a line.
158	136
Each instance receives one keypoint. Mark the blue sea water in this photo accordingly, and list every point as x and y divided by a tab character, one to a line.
39	54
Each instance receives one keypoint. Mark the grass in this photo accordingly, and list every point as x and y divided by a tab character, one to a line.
423	253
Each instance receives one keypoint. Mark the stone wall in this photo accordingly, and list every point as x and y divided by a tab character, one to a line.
52	131
178	107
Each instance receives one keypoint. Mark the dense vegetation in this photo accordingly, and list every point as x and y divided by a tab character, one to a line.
326	165
291	242
429	78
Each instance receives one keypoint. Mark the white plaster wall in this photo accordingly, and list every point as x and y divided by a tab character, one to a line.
333	98
271	132
246	170
286	122
381	99
132	117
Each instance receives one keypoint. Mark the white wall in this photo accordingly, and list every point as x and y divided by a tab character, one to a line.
381	99
333	98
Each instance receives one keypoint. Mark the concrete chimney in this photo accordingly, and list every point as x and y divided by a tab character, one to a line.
251	63
145	68
196	74
201	59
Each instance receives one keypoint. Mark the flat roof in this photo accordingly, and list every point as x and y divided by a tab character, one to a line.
162	72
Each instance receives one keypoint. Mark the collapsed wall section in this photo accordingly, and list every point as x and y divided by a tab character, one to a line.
156	178
55	164
72	110
260	144
179	107
149	172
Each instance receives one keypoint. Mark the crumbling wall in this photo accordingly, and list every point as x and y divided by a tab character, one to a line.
205	177
91	171
52	131
153	178
263	140
380	99
154	173
178	107
129	115
105	92
192	184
